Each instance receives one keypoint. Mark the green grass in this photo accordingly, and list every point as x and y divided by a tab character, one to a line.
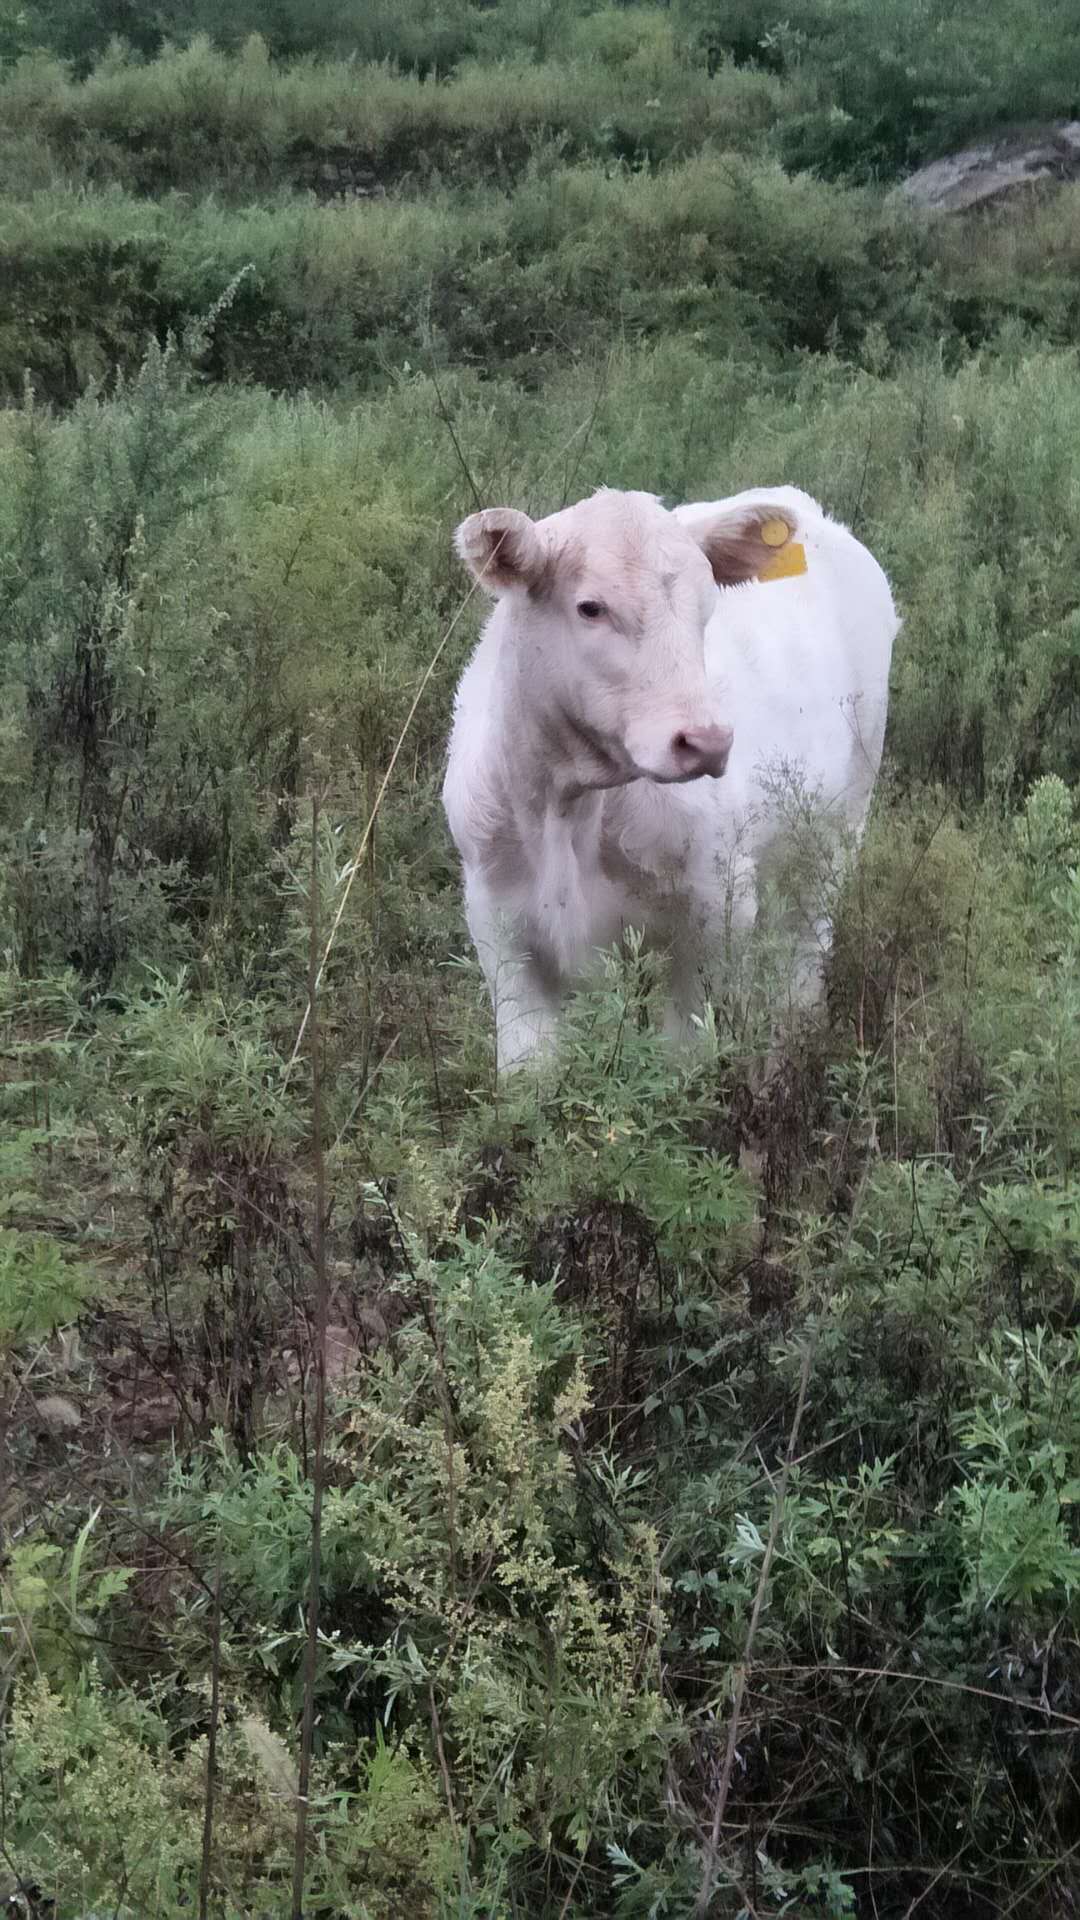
569	1320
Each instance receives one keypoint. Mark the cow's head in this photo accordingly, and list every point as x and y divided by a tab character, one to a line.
604	607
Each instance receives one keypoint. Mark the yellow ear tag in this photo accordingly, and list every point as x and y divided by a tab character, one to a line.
784	565
788	557
776	533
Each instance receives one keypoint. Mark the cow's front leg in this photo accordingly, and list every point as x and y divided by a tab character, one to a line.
526	1015
526	1003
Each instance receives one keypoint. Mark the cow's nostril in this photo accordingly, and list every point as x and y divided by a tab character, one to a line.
686	752
701	750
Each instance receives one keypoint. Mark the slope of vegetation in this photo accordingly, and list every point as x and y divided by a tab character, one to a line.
701	1466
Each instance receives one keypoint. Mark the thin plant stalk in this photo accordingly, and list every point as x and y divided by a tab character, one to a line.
321	1315
206	1863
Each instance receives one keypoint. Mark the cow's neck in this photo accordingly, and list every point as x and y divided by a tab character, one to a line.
554	805
546	770
549	789
565	838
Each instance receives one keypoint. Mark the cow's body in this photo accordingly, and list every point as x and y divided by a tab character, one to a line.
592	782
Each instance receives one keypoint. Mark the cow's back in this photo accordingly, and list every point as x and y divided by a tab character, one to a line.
803	662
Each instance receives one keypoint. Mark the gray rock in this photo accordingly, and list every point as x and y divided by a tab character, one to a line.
1013	161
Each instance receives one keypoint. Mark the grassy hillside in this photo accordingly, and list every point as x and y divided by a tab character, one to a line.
702	1448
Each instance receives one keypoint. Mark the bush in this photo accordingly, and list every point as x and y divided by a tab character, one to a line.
738	257
238	125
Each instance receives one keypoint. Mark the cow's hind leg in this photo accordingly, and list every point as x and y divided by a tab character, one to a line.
811	940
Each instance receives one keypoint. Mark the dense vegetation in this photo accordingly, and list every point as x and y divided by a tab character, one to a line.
665	1403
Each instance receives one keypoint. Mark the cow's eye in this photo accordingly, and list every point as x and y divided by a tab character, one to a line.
591	609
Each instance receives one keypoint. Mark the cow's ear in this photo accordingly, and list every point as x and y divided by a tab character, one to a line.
501	549
740	543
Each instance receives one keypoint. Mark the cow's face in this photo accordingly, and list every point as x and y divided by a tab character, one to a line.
605	606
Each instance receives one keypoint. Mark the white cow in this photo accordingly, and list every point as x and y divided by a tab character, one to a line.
646	686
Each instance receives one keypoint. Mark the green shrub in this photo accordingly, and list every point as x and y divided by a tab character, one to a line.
739	257
888	90
238	125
